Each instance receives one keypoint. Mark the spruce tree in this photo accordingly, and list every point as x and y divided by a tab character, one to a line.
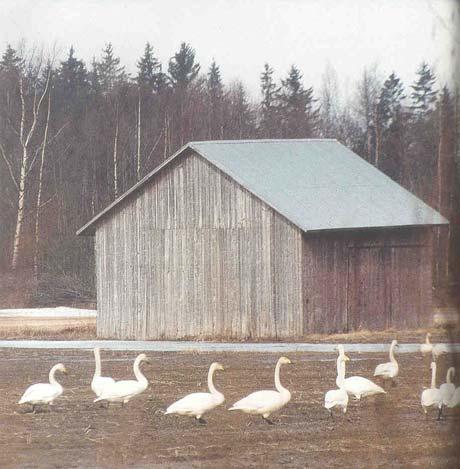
424	94
268	106
109	71
215	96
390	100
148	68
298	118
72	77
182	67
10	60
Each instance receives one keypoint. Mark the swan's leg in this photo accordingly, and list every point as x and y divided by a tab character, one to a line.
34	408
439	413
201	420
331	415
270	422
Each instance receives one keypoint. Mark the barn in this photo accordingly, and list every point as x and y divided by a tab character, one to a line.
262	239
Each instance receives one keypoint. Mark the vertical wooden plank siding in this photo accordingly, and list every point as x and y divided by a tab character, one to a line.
196	255
367	279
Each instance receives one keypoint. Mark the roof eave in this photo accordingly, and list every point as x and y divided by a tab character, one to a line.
89	229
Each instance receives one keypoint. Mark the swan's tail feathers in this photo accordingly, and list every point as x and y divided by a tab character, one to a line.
233	408
21	401
100	398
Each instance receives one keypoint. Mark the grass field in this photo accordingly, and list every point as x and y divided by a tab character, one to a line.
388	430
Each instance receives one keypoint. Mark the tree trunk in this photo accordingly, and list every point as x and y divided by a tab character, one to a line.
115	158
138	165
39	192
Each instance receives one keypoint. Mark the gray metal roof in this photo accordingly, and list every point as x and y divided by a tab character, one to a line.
317	184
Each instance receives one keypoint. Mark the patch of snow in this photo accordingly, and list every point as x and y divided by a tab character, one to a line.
59	312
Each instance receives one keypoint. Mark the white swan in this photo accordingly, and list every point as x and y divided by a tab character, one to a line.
264	403
436	350
390	369
426	347
432	397
124	391
338	397
448	388
358	386
455	399
198	403
99	382
44	393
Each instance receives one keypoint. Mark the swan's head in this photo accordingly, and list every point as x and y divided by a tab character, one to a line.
452	371
428	335
433	365
394	343
60	367
97	350
344	358
217	366
143	358
341	350
284	361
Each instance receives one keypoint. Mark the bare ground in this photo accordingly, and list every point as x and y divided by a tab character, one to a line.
85	329
386	431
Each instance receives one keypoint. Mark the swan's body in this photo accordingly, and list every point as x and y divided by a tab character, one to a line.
432	397
124	391
390	369
455	399
357	386
338	397
448	388
198	403
436	350
44	393
426	347
264	403
99	382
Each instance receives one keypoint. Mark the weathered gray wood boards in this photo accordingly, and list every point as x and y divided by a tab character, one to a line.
201	248
196	255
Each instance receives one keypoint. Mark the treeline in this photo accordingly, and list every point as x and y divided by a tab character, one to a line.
74	136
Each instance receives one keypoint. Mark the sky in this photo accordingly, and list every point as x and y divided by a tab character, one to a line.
241	35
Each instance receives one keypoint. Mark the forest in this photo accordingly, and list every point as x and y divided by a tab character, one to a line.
74	136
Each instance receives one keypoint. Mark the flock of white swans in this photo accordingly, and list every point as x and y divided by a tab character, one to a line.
263	403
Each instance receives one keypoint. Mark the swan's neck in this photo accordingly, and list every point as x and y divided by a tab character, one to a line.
340	372
279	387
392	354
433	376
449	371
97	358
138	373
52	378
211	386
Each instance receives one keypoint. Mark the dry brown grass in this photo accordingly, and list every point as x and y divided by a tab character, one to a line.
70	332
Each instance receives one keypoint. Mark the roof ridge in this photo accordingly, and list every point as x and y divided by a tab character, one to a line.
263	140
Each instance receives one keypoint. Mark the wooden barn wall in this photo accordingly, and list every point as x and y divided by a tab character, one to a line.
195	255
399	266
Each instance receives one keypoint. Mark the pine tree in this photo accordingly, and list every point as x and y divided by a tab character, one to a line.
148	68
296	105
109	71
182	67
424	94
268	106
